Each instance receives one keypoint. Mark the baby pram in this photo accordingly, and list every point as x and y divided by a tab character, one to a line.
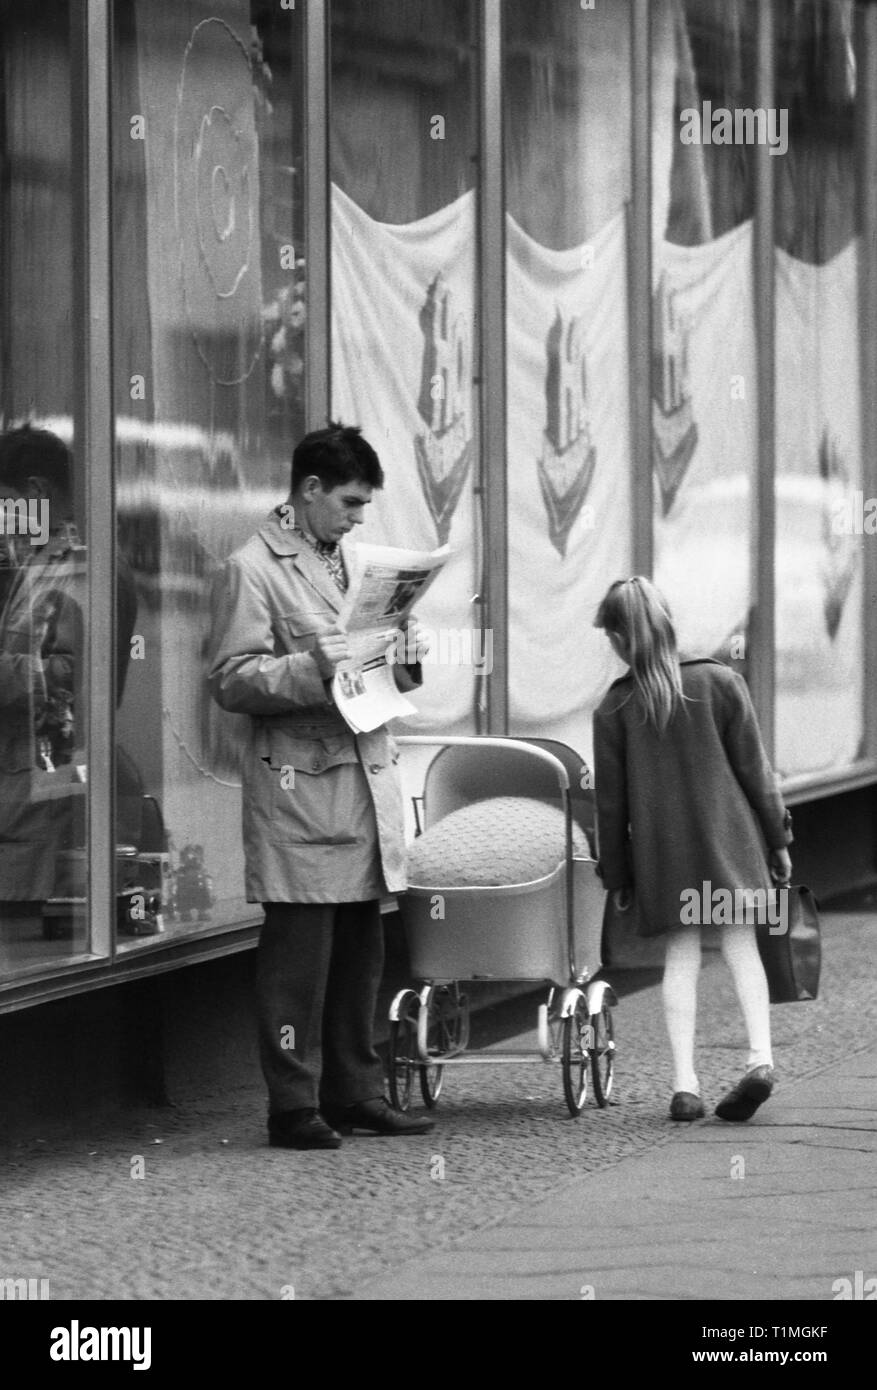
539	921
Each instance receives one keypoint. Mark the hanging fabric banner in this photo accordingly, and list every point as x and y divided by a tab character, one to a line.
402	354
569	469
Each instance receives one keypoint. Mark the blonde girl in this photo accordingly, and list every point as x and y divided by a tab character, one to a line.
688	806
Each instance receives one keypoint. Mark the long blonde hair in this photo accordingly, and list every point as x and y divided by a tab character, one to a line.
637	612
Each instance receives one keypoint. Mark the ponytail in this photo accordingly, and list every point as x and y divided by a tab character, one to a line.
638	613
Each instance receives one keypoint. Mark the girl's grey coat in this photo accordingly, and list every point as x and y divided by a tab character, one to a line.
692	806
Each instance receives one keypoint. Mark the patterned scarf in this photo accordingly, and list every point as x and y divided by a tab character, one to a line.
329	553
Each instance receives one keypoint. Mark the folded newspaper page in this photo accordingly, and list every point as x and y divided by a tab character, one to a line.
384	585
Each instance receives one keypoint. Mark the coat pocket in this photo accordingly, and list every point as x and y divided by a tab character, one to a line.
312	789
281	749
295	632
311	795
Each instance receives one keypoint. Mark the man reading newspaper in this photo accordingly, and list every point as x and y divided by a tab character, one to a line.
384	584
322	805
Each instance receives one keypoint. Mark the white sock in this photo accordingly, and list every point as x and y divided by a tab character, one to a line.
679	992
740	951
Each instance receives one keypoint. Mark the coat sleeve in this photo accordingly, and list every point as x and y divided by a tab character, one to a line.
613	816
245	676
752	769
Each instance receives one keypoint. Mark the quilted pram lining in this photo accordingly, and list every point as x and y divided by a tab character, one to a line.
501	841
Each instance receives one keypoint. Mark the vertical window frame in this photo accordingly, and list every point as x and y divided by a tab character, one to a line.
642	538
866	166
762	627
318	250
94	409
491	381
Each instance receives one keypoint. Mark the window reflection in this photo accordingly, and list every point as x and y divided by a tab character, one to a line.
210	324
43	600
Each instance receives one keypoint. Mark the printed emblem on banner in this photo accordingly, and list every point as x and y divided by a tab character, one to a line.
840	555
674	432
444	450
568	455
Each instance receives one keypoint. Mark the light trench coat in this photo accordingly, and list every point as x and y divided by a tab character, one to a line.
335	832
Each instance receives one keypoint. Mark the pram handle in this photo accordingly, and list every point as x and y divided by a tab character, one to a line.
488	741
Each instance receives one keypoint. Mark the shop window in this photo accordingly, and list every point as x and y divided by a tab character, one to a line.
820	506
567	112
43	565
210	321
404	332
705	366
704	374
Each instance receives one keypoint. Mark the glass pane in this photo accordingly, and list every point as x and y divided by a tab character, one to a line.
704	367
566	74
819	501
210	316
43	596
404	345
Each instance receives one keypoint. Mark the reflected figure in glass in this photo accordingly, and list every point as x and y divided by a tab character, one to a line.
42	760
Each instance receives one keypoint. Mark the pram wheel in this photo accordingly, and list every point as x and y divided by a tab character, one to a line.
447	1034
403	1050
602	1054
434	1042
431	1085
576	1057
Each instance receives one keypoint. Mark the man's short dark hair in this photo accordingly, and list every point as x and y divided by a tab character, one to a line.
26	452
336	455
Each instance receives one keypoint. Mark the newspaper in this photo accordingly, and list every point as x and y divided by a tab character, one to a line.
384	584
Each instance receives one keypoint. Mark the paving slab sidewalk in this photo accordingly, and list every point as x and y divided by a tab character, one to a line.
782	1207
533	1204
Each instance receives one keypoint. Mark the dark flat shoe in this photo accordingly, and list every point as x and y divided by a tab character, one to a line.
743	1100
685	1105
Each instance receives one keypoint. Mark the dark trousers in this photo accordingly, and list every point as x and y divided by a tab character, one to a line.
319	967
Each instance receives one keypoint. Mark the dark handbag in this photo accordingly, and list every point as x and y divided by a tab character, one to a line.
791	951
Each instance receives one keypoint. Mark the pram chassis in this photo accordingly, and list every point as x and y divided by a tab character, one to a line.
429	1027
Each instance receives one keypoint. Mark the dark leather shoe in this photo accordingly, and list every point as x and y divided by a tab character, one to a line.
301	1129
744	1099
377	1117
685	1105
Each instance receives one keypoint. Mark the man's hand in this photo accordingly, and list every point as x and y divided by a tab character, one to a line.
416	642
330	649
780	865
